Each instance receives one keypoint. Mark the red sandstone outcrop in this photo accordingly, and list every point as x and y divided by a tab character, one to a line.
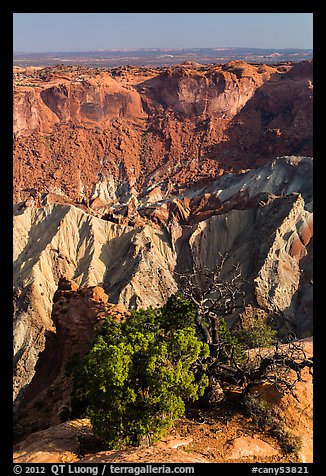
58	444
211	91
77	128
90	98
295	411
246	446
77	313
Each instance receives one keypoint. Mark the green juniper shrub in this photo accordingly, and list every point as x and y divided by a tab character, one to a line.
135	379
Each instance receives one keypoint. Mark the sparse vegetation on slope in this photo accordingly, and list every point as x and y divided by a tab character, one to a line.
253	330
265	418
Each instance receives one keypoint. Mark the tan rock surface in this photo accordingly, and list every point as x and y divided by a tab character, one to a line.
161	452
58	444
61	444
246	446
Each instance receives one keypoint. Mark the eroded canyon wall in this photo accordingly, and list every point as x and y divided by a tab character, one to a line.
78	130
261	219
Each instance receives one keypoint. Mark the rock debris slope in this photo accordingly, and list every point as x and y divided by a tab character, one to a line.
262	219
135	264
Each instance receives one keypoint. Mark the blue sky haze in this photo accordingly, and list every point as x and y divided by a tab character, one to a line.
46	32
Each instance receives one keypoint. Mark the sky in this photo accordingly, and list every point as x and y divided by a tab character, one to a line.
46	32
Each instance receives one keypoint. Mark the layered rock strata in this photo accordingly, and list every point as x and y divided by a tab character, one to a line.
92	133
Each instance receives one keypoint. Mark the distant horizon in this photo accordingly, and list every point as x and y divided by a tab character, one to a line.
160	57
218	48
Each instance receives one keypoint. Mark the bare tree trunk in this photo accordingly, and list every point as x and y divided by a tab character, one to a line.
199	321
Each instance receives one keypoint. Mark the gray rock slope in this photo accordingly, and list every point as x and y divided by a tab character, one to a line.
265	226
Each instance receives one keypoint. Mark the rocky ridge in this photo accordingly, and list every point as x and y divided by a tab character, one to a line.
87	133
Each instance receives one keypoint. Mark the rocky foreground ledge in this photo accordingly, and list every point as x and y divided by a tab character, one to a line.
204	436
